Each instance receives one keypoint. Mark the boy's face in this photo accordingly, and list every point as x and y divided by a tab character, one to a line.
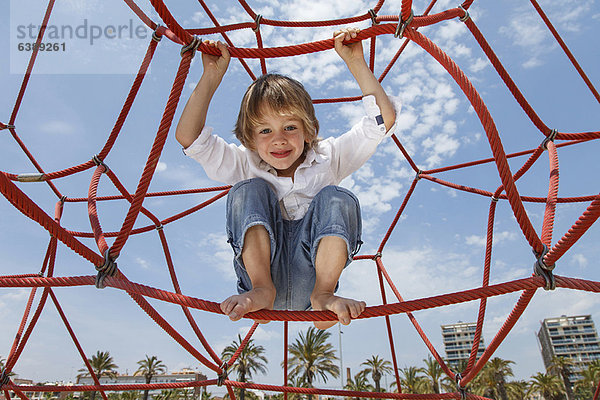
279	141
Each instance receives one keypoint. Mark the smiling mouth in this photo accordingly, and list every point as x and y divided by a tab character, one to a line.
281	154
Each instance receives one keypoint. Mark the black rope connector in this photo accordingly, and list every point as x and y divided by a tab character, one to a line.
418	175
460	389
193	45
6	126
155	36
159	227
377	255
403	24
223	375
541	269
373	15
550	138
4	378
99	162
257	23
63	199
494	199
465	17
109	268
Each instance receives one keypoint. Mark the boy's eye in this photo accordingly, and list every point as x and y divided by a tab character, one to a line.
290	128
264	131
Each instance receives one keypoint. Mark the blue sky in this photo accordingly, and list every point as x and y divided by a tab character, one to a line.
74	97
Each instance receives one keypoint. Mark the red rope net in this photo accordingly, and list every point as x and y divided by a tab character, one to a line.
103	257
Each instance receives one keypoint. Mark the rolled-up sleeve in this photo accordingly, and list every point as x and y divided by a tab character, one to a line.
352	149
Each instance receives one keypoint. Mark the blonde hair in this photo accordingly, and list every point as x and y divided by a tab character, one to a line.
281	94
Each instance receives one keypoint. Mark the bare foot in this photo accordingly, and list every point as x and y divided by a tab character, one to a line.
344	308
238	305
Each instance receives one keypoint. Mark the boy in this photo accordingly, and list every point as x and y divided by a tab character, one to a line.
292	230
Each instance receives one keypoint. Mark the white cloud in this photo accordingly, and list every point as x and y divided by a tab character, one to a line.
475	240
579	260
57	127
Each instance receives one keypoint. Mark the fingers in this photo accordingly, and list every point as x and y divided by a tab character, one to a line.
348	33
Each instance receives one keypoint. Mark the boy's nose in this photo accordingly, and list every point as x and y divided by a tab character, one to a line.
279	136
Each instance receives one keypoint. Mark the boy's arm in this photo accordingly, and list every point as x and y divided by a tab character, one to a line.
352	54
193	116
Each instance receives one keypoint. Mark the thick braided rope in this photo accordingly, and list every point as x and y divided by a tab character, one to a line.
579	228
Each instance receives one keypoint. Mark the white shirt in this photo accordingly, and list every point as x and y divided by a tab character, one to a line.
332	160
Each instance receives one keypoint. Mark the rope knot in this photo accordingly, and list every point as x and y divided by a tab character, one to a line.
100	162
541	269
403	24
155	35
4	378
465	17
193	45
109	268
257	23
223	375
461	389
550	138
373	16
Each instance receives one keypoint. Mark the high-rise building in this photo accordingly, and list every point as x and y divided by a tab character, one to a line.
458	340
574	338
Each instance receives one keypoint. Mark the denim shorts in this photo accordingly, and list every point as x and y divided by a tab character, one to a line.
334	211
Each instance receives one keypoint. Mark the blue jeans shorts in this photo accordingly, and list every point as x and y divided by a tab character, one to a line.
334	211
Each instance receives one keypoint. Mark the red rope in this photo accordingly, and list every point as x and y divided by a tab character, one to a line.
138	292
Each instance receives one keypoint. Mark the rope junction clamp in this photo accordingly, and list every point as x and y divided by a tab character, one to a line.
109	268
99	162
373	16
4	378
418	175
541	269
494	199
223	375
465	17
159	227
6	126
403	24
33	177
257	23
193	45
461	389
550	138
155	36
377	255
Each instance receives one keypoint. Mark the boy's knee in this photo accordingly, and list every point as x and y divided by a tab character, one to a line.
340	199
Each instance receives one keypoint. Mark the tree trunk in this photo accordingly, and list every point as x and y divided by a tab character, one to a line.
148	380
93	395
568	390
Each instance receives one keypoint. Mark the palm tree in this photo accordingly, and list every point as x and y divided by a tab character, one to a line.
2	366
103	365
517	390
411	381
312	356
130	395
359	384
562	366
491	382
250	360
150	367
546	385
377	367
586	386
433	372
